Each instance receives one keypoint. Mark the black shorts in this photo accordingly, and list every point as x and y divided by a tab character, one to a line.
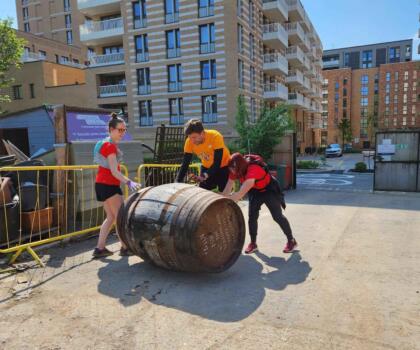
103	192
218	180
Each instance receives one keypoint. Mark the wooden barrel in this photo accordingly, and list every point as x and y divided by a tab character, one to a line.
182	227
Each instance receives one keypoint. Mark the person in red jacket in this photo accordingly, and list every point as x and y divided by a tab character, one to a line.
262	189
108	182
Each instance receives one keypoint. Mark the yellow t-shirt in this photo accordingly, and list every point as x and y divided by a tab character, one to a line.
213	140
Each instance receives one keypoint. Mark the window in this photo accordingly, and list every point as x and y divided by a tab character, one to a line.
387	99
344	92
346	59
387	88
241	74
239	8
396	76
171	11
205	8
139	14
408	51
406	75
364	91
405	110
395	87
405	87
108	50
345	103
345	81
67	5
367	59
209	108
42	54
251	47
240	38
69	36
145	110
64	59
404	123
176	111
173	43
253	110
25	13
208	74
405	98
394	54
207	38
175	77
251	12
142	48
67	19
337	85
143	81
413	109
17	92
388	76
336	97
364	101
364	79
26	27
395	99
252	78
414	74
32	90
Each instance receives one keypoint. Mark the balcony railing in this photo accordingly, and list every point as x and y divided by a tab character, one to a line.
277	9
71	64
210	118
275	61
107	59
142	57
32	57
144	89
101	26
208	83
275	90
113	90
172	17
172	53
206	11
332	63
175	86
140	23
207	48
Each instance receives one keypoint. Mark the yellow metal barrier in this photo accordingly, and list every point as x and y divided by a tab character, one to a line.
159	174
70	201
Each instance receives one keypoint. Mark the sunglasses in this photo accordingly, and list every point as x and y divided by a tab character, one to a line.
121	130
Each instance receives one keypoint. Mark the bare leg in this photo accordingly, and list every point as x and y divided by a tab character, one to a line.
115	205
106	225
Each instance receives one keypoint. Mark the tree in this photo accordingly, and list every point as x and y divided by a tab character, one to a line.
11	50
372	126
345	129
262	136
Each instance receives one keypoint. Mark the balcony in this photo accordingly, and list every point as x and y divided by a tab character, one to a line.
102	32
71	64
112	90
296	78
297	100
207	48
297	58
175	86
206	11
297	36
106	60
208	83
298	14
32	57
275	64
276	10
173	53
144	89
275	92
98	7
172	17
275	36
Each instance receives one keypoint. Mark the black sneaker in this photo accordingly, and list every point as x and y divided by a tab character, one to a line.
101	253
125	252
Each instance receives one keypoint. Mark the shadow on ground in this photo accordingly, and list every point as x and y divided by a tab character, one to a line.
227	297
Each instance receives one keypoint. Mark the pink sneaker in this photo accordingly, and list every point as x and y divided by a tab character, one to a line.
290	246
252	247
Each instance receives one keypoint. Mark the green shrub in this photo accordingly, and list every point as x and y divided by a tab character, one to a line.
360	167
307	164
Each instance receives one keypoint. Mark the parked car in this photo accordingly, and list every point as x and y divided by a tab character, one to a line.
334	150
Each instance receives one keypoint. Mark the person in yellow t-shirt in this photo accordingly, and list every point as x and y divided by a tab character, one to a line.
209	146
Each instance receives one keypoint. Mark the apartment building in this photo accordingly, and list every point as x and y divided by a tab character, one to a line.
368	56
166	61
58	20
378	98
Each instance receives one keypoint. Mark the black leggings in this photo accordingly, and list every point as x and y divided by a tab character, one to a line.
273	202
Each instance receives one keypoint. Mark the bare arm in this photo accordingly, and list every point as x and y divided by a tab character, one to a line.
228	187
113	166
246	186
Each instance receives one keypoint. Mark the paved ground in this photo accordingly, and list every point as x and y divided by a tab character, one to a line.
354	284
346	182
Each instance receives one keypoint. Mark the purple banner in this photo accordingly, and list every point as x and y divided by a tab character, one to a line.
88	127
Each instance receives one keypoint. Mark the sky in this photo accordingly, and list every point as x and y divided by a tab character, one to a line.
343	23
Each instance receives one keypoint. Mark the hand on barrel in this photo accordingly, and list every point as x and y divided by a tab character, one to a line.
133	186
196	178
